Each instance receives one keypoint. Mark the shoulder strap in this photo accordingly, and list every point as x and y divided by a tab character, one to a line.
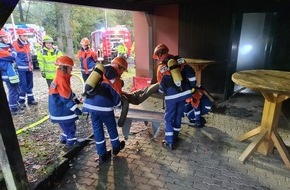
56	51
43	52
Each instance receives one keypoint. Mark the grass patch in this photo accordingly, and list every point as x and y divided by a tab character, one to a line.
131	72
127	77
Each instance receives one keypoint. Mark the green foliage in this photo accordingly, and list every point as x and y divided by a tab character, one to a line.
84	20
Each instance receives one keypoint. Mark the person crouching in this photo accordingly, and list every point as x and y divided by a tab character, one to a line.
62	103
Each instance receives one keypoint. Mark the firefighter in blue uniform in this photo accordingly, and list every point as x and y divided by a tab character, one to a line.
88	58
25	68
197	106
177	82
101	102
62	102
9	72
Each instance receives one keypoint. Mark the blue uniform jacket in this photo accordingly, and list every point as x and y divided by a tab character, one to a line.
107	96
7	66
23	59
88	59
167	86
60	101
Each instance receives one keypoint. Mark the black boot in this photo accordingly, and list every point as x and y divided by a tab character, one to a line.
166	145
105	157
117	150
33	102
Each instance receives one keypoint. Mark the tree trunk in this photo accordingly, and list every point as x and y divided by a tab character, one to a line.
68	30
20	11
59	30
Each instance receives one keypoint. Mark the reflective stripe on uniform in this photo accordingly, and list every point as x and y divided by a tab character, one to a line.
208	107
191	79
21	97
23	67
168	133
175	96
73	139
197	112
74	107
14	79
97	108
100	142
176	129
60	118
115	139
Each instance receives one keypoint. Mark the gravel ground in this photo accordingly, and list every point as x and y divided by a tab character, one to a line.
39	143
39	138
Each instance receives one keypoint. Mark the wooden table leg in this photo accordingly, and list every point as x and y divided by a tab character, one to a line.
253	146
267	136
198	77
250	134
279	144
270	118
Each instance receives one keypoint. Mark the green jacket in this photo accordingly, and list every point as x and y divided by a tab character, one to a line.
46	59
122	49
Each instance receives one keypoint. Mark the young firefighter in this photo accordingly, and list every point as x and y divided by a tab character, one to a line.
9	72
197	106
88	58
122	49
101	105
177	82
62	102
46	58
25	68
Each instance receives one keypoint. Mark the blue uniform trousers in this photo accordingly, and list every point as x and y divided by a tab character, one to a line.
69	132
173	115
107	118
203	108
26	86
13	95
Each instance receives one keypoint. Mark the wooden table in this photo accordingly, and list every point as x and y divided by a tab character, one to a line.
198	65
274	86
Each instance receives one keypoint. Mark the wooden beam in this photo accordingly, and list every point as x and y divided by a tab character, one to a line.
250	134
253	146
10	156
6	8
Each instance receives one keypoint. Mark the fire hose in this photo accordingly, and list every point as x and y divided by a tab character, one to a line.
75	74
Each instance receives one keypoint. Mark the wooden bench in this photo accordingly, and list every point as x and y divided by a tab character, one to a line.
155	117
141	115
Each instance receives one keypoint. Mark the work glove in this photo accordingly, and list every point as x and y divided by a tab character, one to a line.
75	99
43	74
193	90
78	111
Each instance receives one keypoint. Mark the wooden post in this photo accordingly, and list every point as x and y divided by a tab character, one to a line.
10	156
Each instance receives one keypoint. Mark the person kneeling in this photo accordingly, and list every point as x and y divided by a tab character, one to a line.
197	106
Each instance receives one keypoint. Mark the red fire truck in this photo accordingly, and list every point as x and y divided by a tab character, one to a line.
106	41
